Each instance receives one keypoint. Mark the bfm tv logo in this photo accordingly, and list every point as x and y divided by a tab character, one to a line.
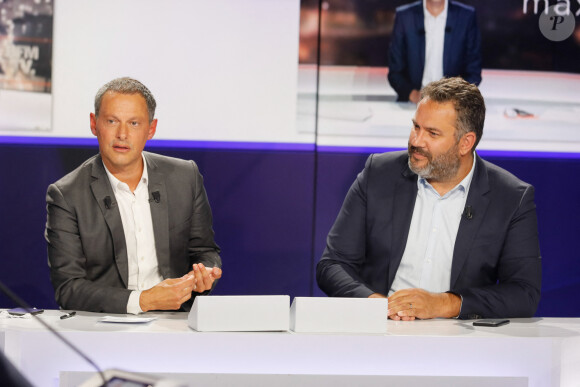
557	21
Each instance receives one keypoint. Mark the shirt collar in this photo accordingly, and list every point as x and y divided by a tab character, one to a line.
428	14
463	185
116	184
466	182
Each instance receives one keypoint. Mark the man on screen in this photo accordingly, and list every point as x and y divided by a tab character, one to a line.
432	39
438	230
129	231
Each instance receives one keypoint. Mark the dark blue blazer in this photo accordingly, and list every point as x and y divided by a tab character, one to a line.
496	265
461	52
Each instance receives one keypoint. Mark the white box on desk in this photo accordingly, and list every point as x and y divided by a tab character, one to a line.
240	313
338	315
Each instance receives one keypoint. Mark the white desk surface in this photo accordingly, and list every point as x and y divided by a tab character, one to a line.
544	350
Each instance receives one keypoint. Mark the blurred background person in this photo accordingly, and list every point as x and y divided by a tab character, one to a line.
432	39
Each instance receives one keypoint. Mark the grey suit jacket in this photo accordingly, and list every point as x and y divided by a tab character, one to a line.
496	265
87	252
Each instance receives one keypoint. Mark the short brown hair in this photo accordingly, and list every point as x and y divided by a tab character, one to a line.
467	100
127	85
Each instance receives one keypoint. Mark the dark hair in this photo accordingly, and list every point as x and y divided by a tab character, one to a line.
467	100
127	85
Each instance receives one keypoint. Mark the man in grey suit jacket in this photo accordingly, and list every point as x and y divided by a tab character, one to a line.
129	231
438	230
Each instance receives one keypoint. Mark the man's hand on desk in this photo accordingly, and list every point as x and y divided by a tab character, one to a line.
408	304
168	294
204	277
391	316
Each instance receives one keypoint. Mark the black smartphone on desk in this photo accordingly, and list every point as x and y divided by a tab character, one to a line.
496	322
22	311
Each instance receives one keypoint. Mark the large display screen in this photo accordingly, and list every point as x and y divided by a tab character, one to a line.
221	70
281	71
530	80
25	65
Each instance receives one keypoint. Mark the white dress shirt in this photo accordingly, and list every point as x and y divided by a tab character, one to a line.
139	238
426	262
434	44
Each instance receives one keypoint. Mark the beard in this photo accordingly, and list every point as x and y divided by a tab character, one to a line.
440	168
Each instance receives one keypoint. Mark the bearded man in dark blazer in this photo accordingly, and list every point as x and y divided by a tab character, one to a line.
436	229
129	231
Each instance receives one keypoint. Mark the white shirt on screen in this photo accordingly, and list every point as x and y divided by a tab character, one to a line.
139	238
426	262
434	44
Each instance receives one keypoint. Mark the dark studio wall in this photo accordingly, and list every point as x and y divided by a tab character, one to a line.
270	228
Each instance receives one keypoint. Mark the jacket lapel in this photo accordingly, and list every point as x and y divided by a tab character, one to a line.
420	26
159	214
403	204
103	194
448	41
468	228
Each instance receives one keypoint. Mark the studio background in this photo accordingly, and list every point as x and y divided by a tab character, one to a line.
274	198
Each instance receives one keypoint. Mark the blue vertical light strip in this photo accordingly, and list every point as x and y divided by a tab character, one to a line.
48	141
528	154
482	152
231	145
160	144
267	146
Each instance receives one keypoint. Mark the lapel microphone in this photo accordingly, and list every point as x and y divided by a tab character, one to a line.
107	201
468	213
156	196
